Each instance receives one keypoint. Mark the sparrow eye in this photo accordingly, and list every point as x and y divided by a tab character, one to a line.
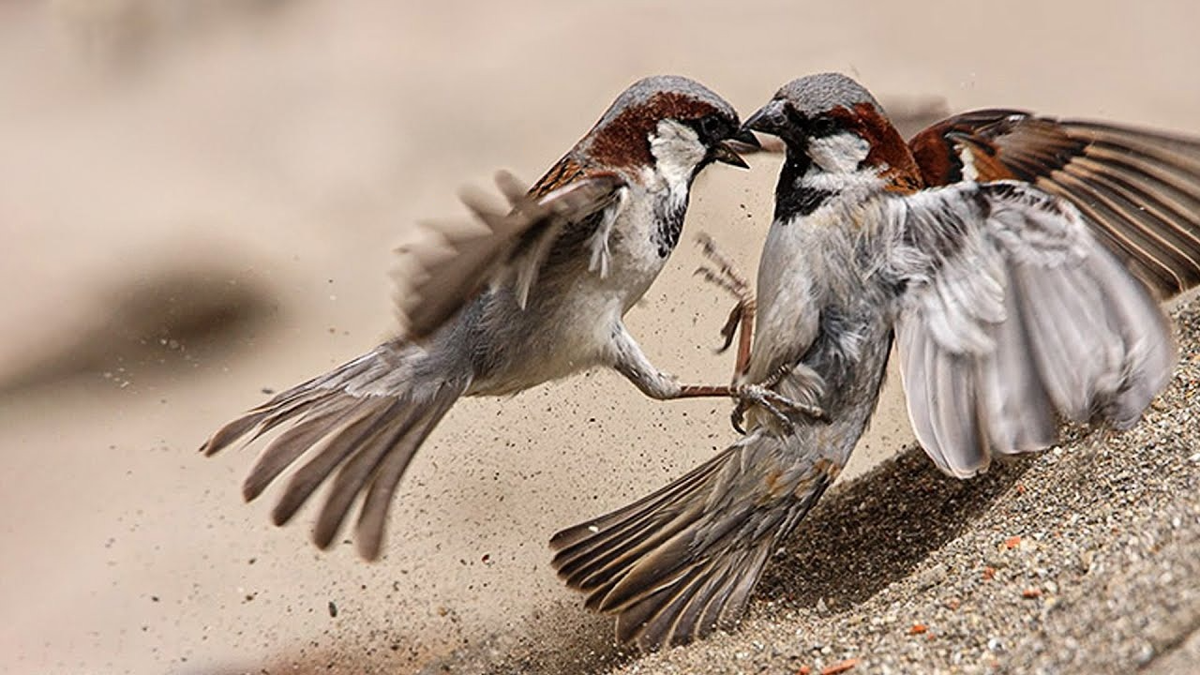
822	126
711	128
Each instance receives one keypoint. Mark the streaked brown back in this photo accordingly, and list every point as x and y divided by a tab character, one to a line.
1139	189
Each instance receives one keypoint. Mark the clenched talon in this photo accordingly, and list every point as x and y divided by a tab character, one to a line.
773	402
728	278
726	275
729	330
738	416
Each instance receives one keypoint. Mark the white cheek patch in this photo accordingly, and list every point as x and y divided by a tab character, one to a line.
677	152
840	153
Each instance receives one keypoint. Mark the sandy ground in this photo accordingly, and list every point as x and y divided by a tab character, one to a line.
1080	559
198	202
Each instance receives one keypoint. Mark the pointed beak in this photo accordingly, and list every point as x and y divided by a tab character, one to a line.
723	152
747	137
769	119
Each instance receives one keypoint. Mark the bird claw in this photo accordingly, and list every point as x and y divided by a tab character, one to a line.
729	330
726	276
774	403
738	416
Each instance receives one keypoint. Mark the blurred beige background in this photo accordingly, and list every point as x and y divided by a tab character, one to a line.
198	200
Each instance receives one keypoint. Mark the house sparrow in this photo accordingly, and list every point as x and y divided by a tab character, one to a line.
1004	299
536	295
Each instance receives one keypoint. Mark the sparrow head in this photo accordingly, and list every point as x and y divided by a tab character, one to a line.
832	123
671	124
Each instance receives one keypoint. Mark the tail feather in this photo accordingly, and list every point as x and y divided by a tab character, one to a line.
361	424
672	612
658	561
739	594
288	446
337	447
601	570
591	555
581	539
372	520
710	597
739	579
658	613
258	421
663	565
388	426
576	544
230	433
683	562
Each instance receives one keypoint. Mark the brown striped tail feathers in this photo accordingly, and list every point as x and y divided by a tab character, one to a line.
359	426
682	562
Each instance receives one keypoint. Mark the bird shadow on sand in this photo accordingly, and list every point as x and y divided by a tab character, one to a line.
879	529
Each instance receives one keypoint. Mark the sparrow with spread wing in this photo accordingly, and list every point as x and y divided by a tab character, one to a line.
1009	300
536	295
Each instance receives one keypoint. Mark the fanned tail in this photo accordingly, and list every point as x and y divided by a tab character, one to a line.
682	562
360	424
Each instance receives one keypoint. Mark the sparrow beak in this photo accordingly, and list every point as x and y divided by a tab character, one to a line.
722	152
769	119
746	137
744	141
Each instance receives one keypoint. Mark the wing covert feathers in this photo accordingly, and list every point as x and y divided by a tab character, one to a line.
1013	312
1139	190
447	263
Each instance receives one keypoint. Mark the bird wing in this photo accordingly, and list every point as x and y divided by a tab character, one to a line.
448	263
1011	311
1139	190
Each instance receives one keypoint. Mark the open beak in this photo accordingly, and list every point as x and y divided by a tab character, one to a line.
723	152
769	119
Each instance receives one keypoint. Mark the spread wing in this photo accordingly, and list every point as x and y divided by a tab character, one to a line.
1011	311
447	264
1139	190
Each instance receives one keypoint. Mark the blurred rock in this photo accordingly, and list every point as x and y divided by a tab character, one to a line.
134	325
126	33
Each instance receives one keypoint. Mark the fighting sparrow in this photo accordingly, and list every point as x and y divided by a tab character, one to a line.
537	294
1009	306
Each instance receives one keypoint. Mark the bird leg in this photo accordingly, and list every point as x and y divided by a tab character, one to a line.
725	275
629	360
659	385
